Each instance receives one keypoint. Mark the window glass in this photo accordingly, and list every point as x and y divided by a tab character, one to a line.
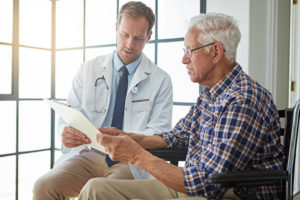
149	51
8	115
173	16
8	177
34	125
169	59
57	155
5	69
35	23
58	141
240	10
35	73
150	4
100	22
31	167
69	23
6	19
91	53
67	65
178	113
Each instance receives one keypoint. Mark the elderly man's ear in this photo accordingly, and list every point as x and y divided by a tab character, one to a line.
218	52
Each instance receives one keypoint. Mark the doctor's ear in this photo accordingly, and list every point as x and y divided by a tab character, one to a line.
117	25
149	36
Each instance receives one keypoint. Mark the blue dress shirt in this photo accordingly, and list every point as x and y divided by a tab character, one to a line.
116	74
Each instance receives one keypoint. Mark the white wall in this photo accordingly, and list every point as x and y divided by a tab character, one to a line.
240	11
283	53
264	48
295	52
295	76
269	47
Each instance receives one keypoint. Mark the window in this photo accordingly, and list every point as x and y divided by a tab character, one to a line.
35	23
6	23
69	23
172	19
34	71
8	114
8	177
25	79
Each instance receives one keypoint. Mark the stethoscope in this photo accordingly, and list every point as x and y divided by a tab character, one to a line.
134	90
98	79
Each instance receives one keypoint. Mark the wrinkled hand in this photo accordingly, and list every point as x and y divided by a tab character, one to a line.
120	147
71	137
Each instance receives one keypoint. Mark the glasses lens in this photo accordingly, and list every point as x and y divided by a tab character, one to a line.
187	52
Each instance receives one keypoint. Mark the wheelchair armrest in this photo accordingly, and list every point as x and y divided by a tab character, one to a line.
172	155
248	178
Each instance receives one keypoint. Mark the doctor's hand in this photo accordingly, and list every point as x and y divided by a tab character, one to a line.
71	137
112	131
121	147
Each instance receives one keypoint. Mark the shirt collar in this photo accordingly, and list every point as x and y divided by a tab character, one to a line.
221	86
130	67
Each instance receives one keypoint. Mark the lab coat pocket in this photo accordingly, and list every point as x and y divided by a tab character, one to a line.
141	105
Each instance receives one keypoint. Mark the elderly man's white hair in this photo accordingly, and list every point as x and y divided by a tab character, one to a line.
217	27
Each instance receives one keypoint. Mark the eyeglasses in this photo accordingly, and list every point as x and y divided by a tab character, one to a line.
189	52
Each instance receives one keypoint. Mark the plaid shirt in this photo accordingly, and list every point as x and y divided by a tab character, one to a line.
232	127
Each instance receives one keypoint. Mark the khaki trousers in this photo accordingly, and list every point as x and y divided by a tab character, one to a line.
106	189
67	179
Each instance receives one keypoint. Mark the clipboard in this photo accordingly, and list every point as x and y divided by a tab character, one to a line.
77	120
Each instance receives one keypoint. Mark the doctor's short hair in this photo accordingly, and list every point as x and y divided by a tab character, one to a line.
138	9
217	27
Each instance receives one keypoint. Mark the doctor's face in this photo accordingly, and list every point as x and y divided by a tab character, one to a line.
131	38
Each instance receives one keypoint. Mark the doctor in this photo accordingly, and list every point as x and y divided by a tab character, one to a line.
147	108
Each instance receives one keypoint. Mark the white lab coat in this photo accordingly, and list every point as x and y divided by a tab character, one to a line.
148	106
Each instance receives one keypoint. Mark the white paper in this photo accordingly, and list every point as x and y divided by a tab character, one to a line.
78	121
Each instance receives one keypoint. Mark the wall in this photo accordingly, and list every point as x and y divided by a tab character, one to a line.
295	52
264	48
257	44
269	47
283	47
240	11
295	76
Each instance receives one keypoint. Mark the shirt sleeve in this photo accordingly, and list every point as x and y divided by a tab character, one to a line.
236	136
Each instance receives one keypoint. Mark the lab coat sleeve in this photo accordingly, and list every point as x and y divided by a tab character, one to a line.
74	100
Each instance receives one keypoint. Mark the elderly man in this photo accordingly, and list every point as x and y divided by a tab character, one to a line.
233	126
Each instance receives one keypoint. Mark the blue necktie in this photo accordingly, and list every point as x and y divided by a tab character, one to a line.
118	115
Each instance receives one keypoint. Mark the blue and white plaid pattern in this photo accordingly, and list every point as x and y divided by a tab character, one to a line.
232	127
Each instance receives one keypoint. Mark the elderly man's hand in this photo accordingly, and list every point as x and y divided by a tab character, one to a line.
72	137
118	145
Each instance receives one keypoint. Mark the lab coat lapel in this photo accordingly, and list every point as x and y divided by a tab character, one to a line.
106	70
141	72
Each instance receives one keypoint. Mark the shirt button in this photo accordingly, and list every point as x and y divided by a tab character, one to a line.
104	110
